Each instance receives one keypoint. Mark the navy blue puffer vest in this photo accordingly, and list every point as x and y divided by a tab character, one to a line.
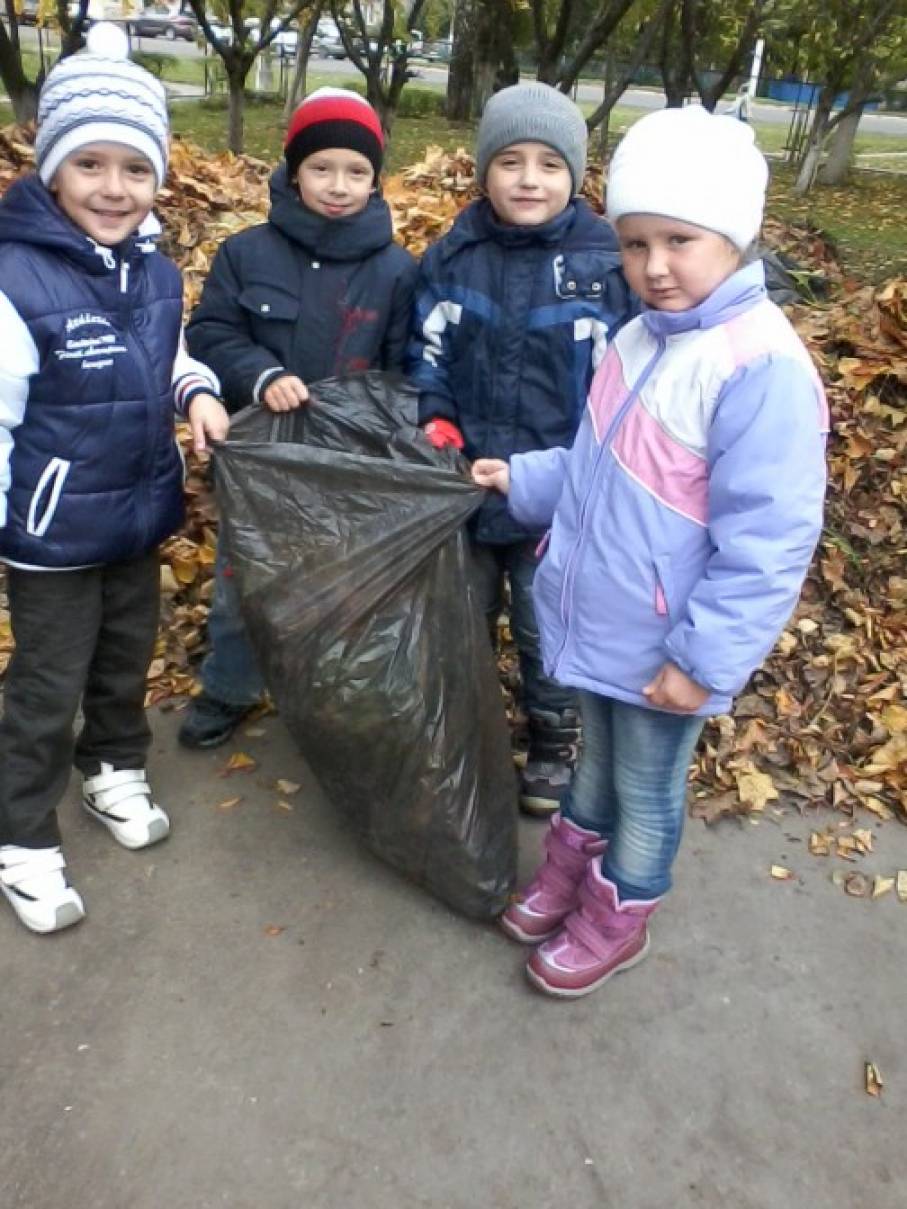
96	475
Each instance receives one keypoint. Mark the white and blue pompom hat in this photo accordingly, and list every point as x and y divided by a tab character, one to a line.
694	166
100	96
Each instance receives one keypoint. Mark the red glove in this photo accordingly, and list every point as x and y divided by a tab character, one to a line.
441	433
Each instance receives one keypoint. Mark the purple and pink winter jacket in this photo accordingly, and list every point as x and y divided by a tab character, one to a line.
683	520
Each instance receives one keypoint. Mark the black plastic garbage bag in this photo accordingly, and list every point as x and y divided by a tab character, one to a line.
346	535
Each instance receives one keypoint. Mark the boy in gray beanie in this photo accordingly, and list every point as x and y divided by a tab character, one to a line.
92	371
514	308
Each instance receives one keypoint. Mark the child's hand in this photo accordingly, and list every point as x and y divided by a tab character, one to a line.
674	690
285	393
491	472
208	420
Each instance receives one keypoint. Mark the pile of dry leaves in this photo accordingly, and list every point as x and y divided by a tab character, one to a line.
825	721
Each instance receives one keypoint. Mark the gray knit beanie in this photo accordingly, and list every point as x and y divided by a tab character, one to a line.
532	113
100	96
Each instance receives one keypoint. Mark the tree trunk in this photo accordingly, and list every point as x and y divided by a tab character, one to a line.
301	66
836	168
462	64
809	165
236	80
673	64
22	92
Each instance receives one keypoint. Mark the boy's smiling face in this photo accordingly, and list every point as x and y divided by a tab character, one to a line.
106	189
528	184
336	182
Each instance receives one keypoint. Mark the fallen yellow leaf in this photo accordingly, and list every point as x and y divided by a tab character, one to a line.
902	885
781	874
286	787
228	803
819	844
881	885
239	762
755	789
873	1080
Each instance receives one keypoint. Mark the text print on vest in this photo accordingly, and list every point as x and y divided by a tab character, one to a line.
92	349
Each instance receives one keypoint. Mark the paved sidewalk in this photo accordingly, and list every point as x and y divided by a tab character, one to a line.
176	1051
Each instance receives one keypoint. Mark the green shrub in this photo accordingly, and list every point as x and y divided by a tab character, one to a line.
414	102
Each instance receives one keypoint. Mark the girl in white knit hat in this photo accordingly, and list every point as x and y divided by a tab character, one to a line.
92	368
682	523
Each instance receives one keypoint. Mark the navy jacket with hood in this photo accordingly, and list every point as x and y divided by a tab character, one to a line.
304	294
510	324
89	467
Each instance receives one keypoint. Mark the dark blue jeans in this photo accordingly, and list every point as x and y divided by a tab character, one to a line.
518	562
631	786
230	669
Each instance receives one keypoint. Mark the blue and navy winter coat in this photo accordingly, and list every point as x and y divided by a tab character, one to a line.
304	294
89	467
510	324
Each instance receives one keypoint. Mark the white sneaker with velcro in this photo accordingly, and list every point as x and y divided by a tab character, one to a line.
33	881
121	800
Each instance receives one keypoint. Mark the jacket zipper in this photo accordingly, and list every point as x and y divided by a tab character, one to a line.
587	504
151	403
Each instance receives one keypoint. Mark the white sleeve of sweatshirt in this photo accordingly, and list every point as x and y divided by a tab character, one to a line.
18	362
190	377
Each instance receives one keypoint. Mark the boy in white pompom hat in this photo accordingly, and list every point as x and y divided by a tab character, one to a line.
683	521
92	371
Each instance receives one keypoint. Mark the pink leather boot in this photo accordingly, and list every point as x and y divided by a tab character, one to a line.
601	937
553	892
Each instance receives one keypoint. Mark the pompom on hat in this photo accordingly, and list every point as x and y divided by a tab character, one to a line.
334	117
100	96
694	166
532	113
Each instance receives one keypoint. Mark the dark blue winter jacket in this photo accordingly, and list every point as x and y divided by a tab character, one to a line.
304	294
510	323
89	467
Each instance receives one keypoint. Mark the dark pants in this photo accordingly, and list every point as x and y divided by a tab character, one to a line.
518	563
84	636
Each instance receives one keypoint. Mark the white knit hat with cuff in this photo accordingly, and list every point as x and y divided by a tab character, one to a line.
693	166
100	96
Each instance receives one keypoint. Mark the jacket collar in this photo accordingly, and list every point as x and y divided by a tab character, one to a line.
737	294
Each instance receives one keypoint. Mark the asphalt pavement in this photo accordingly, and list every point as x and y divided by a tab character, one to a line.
256	1014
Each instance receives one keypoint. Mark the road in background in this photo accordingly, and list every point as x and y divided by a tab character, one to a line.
774	114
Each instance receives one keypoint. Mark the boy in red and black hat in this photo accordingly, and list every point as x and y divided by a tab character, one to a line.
318	290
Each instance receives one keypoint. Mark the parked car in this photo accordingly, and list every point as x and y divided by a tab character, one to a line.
159	21
28	14
328	48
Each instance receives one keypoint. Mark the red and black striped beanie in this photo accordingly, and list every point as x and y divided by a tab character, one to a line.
333	117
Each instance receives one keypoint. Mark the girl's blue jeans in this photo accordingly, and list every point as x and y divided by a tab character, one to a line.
230	670
630	787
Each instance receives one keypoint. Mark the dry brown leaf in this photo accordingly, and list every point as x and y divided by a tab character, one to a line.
275	929
228	804
856	884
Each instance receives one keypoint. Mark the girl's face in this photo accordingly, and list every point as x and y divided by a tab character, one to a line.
106	189
673	265
528	184
336	182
